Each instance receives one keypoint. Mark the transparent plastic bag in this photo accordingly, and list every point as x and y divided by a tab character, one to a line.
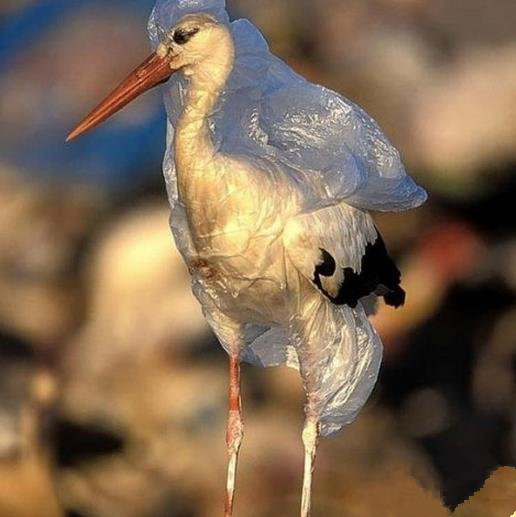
290	131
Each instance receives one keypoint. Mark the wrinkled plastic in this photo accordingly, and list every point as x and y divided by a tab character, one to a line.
289	131
271	111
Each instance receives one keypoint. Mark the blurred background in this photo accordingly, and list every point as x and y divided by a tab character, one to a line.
113	390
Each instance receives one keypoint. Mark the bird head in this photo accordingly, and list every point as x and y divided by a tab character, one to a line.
194	41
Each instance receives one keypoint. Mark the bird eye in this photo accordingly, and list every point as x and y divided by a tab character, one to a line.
181	36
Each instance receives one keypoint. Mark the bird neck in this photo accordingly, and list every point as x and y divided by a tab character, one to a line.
194	149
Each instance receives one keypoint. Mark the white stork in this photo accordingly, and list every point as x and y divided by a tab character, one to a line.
270	179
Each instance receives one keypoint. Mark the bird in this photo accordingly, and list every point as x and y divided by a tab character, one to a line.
272	181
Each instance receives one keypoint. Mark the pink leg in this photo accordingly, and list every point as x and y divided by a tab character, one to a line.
235	431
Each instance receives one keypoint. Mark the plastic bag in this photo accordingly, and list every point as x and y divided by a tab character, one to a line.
285	130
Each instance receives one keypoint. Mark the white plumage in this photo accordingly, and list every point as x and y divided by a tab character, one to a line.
270	179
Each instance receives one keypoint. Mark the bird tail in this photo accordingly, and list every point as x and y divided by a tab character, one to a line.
395	297
339	356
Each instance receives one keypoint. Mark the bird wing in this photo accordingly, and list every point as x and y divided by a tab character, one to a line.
340	251
338	149
325	142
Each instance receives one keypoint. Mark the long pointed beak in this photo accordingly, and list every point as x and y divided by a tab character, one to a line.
153	71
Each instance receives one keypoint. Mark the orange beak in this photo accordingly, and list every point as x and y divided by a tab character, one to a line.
153	71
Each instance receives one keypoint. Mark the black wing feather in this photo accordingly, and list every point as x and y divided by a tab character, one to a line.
378	275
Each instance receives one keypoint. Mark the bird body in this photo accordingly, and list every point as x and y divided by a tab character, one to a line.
270	180
254	232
